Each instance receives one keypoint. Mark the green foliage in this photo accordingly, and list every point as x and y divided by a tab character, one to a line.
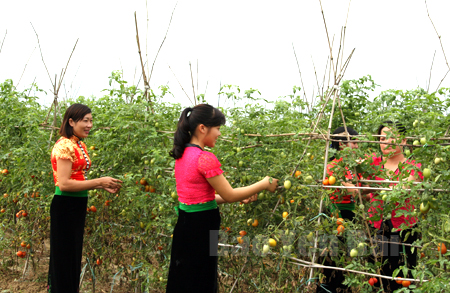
131	230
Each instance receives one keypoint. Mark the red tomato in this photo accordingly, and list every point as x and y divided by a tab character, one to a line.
406	283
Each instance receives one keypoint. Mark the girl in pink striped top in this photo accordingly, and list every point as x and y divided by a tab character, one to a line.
193	263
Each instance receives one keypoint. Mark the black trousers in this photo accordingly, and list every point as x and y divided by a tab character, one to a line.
193	261
395	253
334	278
67	219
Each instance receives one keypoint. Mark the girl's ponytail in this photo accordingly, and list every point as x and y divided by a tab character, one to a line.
182	135
190	118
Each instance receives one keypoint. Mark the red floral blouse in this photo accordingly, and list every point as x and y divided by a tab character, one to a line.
70	149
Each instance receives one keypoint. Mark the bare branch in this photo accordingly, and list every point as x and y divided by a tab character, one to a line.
192	80
315	73
440	40
150	77
25	67
41	54
3	41
301	80
429	79
180	85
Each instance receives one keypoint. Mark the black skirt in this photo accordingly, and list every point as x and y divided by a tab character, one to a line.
193	262
67	218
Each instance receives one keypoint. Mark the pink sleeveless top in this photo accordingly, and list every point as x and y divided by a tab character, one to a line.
191	171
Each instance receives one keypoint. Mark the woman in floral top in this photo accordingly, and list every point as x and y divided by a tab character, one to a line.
70	162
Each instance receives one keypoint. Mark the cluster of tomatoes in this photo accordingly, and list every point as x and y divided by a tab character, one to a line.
373	281
21	213
22	254
148	188
329	181
340	226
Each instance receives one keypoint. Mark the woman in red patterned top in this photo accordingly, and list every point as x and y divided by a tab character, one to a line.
193	263
70	162
388	226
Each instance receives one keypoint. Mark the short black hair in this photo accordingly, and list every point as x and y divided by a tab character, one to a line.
335	144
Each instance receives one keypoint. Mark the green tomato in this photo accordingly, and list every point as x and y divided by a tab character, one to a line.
283	155
241	163
152	161
310	236
287	184
437	160
361	207
242	131
416	142
174	195
424	208
423	140
308	179
156	124
266	248
426	173
407	152
354	252
146	162
447	226
238	150
416	123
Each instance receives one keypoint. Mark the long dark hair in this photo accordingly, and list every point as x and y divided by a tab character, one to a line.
388	123
77	113
189	120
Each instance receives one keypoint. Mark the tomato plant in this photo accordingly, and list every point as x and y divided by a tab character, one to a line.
130	231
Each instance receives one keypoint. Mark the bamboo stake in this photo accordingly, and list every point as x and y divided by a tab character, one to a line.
324	174
146	84
311	265
359	193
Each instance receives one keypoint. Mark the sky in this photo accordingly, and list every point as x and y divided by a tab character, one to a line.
245	43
